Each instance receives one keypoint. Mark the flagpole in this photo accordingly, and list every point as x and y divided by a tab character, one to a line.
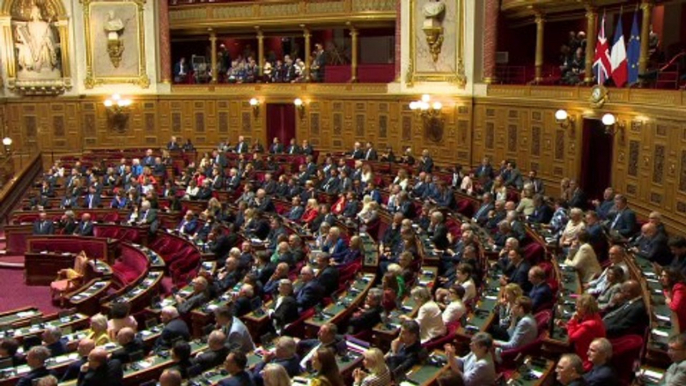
647	8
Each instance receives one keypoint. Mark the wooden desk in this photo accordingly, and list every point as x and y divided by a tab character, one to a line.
426	374
75	321
347	303
19	315
530	374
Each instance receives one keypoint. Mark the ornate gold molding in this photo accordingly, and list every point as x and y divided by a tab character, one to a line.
279	13
93	80
458	77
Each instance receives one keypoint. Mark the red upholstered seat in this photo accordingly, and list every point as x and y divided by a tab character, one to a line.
449	337
112	217
466	208
534	252
297	328
626	350
509	356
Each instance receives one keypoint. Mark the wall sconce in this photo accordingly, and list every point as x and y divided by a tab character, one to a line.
300	106
425	109
430	114
7	143
117	112
612	126
563	118
255	104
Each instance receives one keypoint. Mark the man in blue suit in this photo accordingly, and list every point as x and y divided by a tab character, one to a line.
43	226
297	209
485	169
235	364
540	293
601	374
189	223
284	354
606	207
624	221
481	215
92	199
517	272
335	246
310	292
542	212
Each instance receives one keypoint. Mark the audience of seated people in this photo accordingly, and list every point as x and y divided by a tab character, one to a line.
618	311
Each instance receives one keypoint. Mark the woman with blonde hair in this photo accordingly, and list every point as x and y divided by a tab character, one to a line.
98	330
584	326
275	375
379	375
429	316
508	295
367	174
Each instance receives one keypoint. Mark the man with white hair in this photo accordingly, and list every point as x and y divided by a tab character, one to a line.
601	373
310	292
52	338
148	216
216	352
174	328
243	303
35	359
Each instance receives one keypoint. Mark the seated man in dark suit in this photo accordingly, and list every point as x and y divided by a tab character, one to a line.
235	364
630	316
370	314
624	221
310	292
438	231
246	301
131	346
284	309
570	371
52	338
85	227
543	213
43	226
198	297
174	328
541	294
216	352
284	355
296	211
517	272
99	371
35	359
653	245
327	337
263	203
481	215
406	350
602	373
84	348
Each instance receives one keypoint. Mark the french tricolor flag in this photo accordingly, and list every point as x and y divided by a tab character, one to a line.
620	70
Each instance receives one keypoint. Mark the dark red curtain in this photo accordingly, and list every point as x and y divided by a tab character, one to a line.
280	122
596	159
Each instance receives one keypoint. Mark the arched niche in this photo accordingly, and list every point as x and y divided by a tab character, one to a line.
36	44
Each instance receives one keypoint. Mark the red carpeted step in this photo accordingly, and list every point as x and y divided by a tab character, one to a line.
15	294
12	261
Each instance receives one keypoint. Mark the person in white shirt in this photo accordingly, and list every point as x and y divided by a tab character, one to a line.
477	367
454	309
616	257
429	316
583	258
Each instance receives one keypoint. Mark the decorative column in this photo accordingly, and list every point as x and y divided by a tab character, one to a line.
353	65
591	37
165	45
213	55
307	35
540	27
490	39
398	40
260	51
647	8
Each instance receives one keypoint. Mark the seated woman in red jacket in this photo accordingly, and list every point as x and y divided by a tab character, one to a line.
674	285
311	211
585	325
339	206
